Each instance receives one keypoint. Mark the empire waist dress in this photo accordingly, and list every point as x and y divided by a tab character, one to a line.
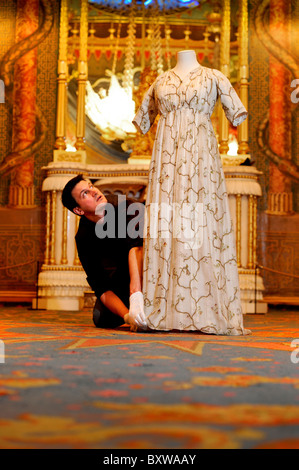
190	273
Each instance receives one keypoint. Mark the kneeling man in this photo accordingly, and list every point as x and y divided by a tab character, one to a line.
110	248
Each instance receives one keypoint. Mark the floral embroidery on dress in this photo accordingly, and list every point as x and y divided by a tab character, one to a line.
190	279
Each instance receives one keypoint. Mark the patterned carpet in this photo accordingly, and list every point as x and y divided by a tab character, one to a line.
67	385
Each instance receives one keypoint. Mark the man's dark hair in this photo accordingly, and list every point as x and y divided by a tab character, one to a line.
67	199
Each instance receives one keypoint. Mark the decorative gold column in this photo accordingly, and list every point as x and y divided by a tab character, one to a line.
76	260
82	68
254	229
280	118
250	232
224	68
238	227
21	190
243	73
64	259
62	79
53	228
48	226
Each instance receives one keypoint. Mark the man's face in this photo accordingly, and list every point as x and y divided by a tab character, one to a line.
88	197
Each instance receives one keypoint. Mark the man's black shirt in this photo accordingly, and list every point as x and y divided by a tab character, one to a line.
105	260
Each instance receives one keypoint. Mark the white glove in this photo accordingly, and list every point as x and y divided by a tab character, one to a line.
136	315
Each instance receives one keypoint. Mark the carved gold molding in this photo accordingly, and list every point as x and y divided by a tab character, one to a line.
48	267
62	78
224	68
243	73
83	75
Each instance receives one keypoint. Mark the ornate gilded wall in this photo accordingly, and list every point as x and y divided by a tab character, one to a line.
258	98
22	231
278	235
7	39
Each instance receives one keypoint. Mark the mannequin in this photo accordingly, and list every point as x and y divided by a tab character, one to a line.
187	285
186	62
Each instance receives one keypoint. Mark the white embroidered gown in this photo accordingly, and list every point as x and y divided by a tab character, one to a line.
190	274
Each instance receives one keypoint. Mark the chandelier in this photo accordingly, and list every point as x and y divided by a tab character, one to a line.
112	112
162	4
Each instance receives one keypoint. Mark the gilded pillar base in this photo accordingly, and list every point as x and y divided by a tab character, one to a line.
61	288
252	288
243	189
80	144
60	143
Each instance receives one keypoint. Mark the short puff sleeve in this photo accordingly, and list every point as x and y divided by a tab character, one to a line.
233	107
147	111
